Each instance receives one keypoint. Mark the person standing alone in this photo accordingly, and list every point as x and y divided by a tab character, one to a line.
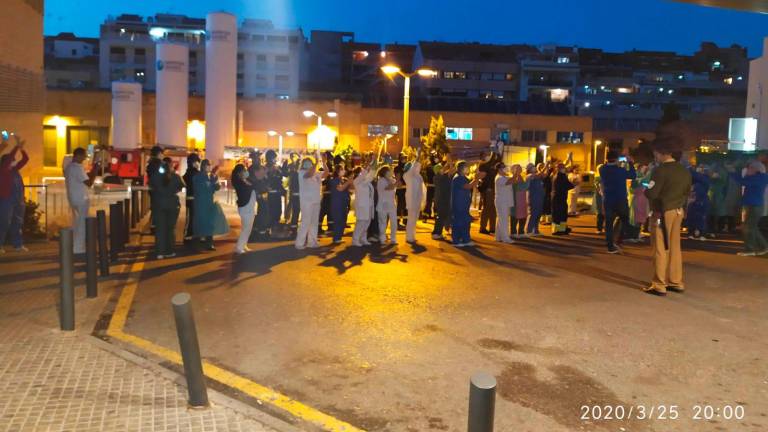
667	194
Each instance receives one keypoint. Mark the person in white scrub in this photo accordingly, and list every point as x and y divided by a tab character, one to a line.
364	203
414	194
78	183
310	193
387	206
504	199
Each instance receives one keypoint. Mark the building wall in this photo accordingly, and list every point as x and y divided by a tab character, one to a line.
757	95
22	91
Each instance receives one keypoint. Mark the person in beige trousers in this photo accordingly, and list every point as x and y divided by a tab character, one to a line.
667	193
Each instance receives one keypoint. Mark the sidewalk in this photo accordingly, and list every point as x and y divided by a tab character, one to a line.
71	381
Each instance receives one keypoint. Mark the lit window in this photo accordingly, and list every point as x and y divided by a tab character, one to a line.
587	104
378	130
509	77
448	75
624	90
558	95
562	60
570	137
461	75
283	97
462	134
728	80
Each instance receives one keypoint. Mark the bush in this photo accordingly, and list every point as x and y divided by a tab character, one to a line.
31	227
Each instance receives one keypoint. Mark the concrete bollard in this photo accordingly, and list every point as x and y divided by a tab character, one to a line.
114	231
482	402
101	221
66	274
190	350
91	249
134	208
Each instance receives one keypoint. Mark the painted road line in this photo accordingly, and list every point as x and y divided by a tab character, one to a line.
216	373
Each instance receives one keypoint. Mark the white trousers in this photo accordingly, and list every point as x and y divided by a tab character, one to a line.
247	213
391	216
307	234
360	234
410	226
502	222
79	213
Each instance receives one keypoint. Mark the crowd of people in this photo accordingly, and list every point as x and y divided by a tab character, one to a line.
305	195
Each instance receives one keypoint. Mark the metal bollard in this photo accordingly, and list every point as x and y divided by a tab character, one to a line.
482	402
121	237
66	274
127	220
101	221
91	276
134	208
114	231
190	350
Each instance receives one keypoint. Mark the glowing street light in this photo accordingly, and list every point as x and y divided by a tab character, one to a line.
390	70
310	114
594	160
544	148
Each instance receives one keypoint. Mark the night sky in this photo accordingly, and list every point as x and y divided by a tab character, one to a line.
614	25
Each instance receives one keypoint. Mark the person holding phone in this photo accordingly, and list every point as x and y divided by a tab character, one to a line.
12	194
78	184
206	183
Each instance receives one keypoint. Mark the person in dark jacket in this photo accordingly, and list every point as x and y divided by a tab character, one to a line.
276	191
246	202
613	184
339	186
698	209
294	208
12	196
546	209
429	181
193	167
166	185
262	227
155	160
443	177
560	187
325	201
486	188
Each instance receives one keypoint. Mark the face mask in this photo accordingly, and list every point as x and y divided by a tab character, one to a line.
246	174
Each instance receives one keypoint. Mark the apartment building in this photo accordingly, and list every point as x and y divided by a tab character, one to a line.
71	61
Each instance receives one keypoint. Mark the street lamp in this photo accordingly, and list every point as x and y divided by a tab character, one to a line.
544	148
594	160
390	70
280	139
310	114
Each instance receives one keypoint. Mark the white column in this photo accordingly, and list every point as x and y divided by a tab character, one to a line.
220	84
125	133
172	98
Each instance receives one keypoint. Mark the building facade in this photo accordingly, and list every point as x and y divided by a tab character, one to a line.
71	61
22	82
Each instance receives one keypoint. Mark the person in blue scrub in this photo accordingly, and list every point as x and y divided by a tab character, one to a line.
461	197
698	209
536	175
339	187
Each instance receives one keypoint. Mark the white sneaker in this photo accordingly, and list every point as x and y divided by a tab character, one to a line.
366	243
460	245
357	243
21	249
508	241
161	257
469	243
747	254
240	252
299	247
173	254
761	253
373	240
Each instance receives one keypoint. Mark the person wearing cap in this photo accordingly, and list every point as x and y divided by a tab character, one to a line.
667	194
413	195
193	167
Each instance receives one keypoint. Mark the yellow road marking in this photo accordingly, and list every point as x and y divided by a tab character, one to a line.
216	373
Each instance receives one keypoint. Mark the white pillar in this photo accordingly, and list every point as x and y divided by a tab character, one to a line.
125	133
220	84
172	94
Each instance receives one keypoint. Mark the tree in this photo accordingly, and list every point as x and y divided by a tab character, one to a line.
343	149
435	141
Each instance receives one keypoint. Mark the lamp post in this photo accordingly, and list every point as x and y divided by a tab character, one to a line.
280	140
390	71
386	138
544	148
594	160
